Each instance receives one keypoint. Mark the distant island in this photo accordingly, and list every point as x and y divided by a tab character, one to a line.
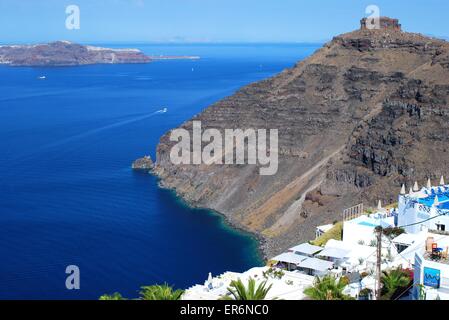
65	53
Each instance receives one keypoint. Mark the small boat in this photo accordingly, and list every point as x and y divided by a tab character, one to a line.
164	110
42	77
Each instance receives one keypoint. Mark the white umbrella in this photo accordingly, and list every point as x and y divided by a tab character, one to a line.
436	202
209	283
403	189
416	187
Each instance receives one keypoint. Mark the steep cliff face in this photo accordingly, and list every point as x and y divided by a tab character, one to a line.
362	115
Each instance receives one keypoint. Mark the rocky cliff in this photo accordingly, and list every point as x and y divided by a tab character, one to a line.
64	53
364	114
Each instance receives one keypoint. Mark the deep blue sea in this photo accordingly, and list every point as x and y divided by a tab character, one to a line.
68	195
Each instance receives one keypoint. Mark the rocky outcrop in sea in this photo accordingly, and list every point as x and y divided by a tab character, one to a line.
144	163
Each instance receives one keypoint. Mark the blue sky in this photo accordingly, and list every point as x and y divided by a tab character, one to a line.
208	20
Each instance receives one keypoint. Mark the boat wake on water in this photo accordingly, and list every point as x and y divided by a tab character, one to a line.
90	133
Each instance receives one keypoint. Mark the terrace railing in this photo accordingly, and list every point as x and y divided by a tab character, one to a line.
353	212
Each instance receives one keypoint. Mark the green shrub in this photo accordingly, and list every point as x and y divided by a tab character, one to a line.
238	291
114	296
327	288
334	233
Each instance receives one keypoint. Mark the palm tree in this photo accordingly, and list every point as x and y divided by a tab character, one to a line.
238	291
393	280
327	288
114	296
160	292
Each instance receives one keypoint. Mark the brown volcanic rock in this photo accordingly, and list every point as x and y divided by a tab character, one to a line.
364	114
144	163
64	53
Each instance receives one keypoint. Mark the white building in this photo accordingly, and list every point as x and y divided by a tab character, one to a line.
361	229
288	286
424	209
359	258
301	260
431	269
306	249
419	212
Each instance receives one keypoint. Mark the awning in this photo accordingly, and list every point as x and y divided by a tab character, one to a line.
289	257
334	253
405	239
306	248
316	264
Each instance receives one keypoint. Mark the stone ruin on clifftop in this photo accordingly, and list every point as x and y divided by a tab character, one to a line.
385	23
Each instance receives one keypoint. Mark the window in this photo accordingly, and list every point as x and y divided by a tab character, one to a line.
441	227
